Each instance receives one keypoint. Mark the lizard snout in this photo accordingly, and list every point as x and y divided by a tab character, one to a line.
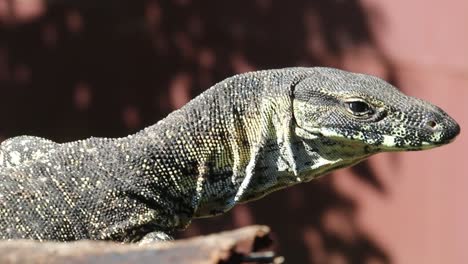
444	130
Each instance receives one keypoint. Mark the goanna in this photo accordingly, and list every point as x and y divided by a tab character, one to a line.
245	137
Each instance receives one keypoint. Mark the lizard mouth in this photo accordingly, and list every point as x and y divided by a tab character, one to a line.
439	143
442	134
446	135
431	144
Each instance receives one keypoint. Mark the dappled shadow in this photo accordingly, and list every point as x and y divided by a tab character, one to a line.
313	223
365	173
108	68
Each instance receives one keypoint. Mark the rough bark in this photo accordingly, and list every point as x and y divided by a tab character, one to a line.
237	246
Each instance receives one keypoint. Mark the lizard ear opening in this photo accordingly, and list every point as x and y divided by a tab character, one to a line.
304	103
292	88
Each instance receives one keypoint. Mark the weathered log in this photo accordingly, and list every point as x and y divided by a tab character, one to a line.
237	246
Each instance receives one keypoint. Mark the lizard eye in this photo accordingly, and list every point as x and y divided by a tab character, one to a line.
359	108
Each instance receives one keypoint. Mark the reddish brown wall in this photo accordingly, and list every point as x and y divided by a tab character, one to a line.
423	217
73	69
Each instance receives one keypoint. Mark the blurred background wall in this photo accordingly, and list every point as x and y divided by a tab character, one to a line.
71	69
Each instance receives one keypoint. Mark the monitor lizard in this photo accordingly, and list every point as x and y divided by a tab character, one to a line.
243	138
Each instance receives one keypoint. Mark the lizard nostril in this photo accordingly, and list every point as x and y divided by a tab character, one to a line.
431	124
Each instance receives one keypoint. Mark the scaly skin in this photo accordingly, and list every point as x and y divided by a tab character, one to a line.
243	138
19	150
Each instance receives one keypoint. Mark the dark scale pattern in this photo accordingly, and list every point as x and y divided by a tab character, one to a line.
240	140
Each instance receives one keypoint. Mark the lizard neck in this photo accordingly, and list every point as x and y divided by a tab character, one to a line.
216	152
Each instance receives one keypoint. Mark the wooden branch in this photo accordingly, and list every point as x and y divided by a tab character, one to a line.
237	246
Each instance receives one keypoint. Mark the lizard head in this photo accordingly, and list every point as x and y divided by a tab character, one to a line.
366	113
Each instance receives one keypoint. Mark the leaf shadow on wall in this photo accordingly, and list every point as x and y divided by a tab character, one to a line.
107	68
